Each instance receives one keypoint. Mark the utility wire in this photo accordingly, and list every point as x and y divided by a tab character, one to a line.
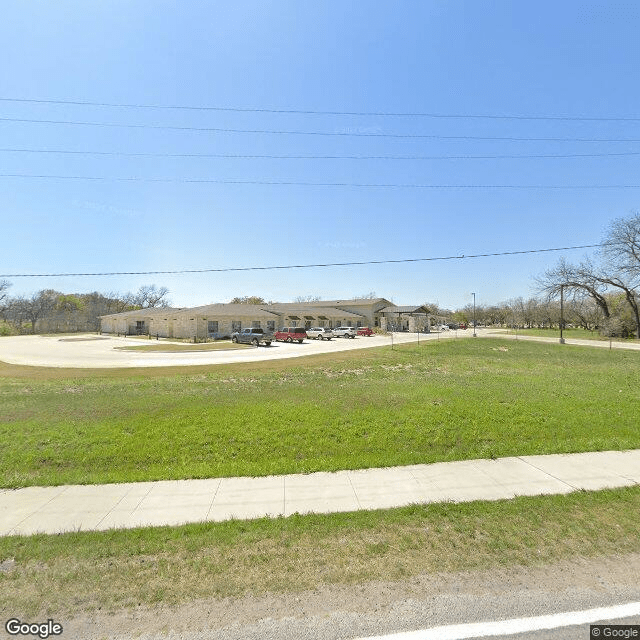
297	266
347	134
310	157
417	114
294	183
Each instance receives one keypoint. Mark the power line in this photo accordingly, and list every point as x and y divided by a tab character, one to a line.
294	183
349	134
415	114
296	266
312	157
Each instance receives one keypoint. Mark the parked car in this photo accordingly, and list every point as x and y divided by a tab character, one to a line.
364	331
253	336
344	332
443	327
289	334
320	333
462	325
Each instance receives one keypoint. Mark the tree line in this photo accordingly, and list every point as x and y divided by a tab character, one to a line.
50	311
599	293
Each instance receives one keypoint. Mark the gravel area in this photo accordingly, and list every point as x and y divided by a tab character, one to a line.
330	613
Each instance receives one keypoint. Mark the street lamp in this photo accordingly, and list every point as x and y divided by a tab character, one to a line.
561	312
474	315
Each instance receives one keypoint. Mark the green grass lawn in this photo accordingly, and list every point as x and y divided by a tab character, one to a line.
376	407
60	575
569	334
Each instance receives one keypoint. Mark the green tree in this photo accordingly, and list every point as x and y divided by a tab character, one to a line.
248	300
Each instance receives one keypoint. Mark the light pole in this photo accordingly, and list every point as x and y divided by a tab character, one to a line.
561	312
474	315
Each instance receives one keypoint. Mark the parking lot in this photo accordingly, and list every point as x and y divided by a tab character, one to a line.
91	351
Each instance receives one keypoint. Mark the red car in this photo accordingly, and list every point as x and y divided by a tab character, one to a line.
289	334
364	331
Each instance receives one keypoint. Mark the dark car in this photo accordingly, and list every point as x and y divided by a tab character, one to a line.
253	336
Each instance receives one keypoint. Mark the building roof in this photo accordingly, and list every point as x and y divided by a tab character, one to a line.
334	303
302	309
228	309
407	309
145	313
319	308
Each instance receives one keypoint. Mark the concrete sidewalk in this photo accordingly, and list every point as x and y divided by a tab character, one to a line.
173	502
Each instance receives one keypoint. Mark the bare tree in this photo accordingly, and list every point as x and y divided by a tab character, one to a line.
621	249
307	299
596	281
584	312
112	302
248	300
4	296
150	296
575	279
621	258
32	309
630	296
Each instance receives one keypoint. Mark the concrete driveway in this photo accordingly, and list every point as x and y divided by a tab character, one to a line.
91	351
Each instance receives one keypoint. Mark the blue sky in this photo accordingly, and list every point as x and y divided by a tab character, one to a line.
575	59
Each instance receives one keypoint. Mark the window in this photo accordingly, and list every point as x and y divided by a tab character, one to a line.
255	324
294	323
271	325
212	326
236	325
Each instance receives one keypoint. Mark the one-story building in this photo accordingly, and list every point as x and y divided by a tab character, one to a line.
221	320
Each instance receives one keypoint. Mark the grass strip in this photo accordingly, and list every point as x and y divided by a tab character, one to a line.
425	403
74	572
569	334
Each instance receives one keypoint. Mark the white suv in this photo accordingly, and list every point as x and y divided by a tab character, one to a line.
320	333
345	332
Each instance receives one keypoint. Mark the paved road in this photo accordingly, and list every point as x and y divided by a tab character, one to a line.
599	344
97	352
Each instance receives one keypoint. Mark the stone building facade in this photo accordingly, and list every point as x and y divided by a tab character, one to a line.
221	320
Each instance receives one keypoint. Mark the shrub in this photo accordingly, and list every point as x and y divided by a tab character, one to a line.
7	329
